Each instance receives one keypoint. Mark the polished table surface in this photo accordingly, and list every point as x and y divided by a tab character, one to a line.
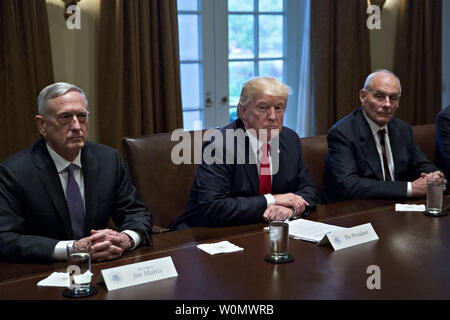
412	254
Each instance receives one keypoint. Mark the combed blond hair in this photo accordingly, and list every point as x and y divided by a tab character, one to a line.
263	85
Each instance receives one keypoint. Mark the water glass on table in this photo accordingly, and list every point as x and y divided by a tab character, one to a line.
435	194
279	242
79	269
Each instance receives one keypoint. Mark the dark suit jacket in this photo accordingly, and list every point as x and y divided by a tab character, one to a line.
227	194
33	211
443	140
353	169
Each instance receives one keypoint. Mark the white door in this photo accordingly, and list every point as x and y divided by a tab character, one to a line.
223	44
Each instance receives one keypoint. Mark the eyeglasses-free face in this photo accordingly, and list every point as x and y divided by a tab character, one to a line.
65	125
382	101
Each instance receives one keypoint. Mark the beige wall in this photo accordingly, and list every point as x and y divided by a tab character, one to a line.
74	52
382	41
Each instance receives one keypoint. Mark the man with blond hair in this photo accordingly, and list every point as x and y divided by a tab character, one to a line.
262	176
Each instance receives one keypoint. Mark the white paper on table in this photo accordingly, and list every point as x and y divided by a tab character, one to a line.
409	207
83	278
219	247
310	230
62	279
56	279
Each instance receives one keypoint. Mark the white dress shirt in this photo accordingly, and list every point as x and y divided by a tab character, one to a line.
61	164
387	144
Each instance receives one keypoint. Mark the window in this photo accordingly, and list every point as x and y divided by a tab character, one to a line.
189	22
255	43
223	44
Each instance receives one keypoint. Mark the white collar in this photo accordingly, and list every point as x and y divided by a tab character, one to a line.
373	126
61	163
255	143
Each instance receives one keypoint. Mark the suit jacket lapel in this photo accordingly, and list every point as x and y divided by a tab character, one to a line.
278	179
395	141
369	147
250	166
253	175
90	176
50	180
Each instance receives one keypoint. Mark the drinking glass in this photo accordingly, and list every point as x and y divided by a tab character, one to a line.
279	242
435	190
79	269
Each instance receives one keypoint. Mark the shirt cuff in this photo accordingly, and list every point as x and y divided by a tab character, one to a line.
409	190
60	251
270	199
135	236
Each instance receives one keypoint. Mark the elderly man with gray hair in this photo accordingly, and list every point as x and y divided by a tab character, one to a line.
371	153
266	178
63	190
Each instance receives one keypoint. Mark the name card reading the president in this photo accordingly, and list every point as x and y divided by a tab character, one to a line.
350	237
138	273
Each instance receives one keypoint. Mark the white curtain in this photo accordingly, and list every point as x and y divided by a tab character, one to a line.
305	114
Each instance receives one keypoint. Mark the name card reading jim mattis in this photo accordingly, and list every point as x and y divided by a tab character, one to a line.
138	273
350	236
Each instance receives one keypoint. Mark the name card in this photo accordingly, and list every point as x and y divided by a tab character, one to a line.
350	237
138	273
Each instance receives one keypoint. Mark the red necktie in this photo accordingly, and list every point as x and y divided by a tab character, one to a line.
265	176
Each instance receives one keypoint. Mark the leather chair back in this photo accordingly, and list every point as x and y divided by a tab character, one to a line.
425	137
314	151
162	185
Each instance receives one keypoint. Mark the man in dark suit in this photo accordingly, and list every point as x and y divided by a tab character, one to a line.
64	188
364	162
258	174
443	140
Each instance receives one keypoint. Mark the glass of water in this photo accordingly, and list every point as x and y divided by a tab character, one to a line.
435	190
79	270
279	242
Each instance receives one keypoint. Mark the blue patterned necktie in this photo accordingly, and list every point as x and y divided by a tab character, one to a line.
75	204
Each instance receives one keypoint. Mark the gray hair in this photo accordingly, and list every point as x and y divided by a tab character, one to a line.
368	82
55	90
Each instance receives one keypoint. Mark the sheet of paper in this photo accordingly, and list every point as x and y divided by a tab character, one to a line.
62	279
219	247
56	279
310	230
409	207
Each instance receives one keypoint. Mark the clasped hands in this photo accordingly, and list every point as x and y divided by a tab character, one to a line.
419	186
106	244
287	206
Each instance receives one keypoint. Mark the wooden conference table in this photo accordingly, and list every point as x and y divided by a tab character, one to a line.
412	253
